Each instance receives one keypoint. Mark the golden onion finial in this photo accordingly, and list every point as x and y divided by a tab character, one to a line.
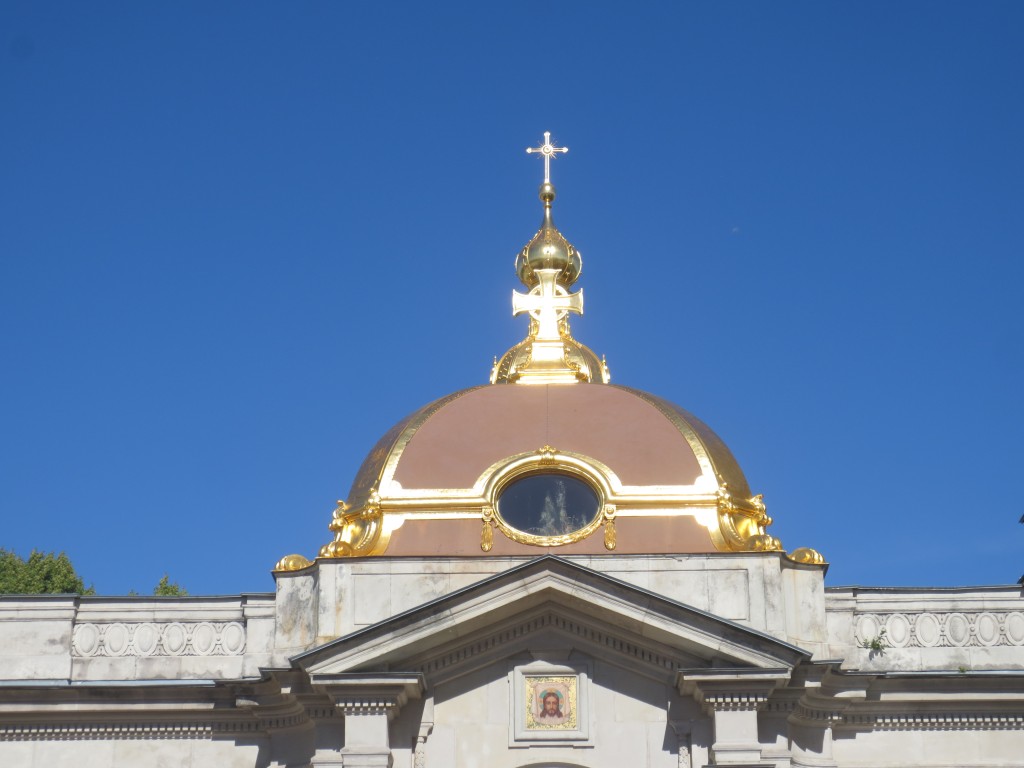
548	249
548	265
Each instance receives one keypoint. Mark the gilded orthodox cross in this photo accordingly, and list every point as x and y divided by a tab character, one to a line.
547	150
547	303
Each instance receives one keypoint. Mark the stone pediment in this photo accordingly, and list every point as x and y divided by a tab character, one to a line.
549	603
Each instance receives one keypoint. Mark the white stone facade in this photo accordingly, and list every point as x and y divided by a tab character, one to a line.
656	660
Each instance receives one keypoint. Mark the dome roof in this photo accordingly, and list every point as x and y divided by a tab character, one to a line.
645	441
550	454
663	481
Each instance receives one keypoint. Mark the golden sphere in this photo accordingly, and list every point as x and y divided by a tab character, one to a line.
292	563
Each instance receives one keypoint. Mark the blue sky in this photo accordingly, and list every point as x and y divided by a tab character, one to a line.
239	240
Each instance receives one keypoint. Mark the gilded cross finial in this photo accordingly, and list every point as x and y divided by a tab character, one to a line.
547	303
547	150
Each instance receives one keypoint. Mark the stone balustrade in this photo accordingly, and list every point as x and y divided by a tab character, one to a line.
956	629
109	638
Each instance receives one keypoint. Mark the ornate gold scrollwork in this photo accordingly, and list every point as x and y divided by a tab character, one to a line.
610	537
547	454
487	534
356	532
743	523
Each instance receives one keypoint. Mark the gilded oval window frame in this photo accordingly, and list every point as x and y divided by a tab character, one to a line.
548	463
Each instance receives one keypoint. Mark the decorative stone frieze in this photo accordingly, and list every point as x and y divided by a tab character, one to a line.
175	638
947	629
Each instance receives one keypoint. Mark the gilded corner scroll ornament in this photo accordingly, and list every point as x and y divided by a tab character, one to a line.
357	532
743	523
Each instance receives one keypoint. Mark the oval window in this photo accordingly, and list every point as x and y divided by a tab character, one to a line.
548	504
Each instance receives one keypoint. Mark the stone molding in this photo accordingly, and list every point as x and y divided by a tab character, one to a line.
173	638
731	690
120	729
824	717
500	640
247	716
369	695
934	721
105	731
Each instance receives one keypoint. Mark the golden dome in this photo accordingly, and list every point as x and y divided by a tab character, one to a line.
571	462
434	484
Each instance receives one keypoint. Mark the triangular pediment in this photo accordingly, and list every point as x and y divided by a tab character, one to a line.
547	603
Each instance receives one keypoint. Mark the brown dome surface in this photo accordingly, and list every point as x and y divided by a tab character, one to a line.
644	440
432	483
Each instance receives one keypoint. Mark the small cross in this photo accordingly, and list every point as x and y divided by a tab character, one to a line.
548	150
547	303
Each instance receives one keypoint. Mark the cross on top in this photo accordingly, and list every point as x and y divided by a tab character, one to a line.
547	150
547	303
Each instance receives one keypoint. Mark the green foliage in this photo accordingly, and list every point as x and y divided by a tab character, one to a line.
41	574
876	644
166	588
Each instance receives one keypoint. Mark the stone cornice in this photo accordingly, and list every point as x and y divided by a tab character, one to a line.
157	712
934	721
358	695
731	690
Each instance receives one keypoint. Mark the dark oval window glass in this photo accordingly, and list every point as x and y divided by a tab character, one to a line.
548	504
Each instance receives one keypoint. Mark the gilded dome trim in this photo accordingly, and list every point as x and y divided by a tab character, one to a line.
715	493
715	459
378	469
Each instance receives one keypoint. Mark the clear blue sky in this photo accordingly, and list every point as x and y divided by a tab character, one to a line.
239	240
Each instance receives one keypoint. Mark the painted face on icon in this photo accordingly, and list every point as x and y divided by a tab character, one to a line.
551	708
